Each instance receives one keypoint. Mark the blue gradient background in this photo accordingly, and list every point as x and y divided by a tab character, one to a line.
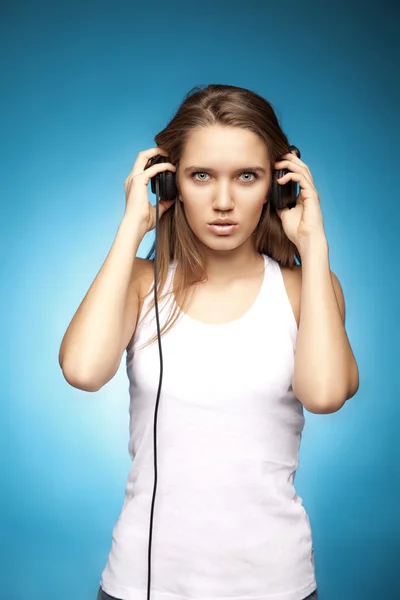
84	89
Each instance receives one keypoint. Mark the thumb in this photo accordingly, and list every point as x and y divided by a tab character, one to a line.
281	212
164	205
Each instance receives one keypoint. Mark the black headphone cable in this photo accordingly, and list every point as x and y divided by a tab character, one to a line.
159	386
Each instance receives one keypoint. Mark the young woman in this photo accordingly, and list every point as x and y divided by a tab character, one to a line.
249	338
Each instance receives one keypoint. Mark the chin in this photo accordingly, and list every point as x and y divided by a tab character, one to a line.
221	242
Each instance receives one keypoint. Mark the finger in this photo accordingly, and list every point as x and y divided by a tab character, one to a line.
294	159
299	177
295	168
147	174
143	158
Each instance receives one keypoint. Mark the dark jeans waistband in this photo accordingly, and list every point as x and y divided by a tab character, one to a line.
102	595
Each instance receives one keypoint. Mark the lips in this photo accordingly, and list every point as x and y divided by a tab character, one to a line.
222	229
222	223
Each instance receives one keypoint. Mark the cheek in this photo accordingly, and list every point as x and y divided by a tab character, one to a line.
194	211
254	207
194	204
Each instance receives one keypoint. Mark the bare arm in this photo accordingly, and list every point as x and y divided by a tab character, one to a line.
326	372
92	346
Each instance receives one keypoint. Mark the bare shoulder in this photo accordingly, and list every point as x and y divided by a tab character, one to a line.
140	274
144	274
292	280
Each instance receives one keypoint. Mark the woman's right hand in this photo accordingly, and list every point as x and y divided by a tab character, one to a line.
138	207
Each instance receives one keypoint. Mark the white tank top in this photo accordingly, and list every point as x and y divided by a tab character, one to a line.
227	523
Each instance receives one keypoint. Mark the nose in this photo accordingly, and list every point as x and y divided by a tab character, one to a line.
223	198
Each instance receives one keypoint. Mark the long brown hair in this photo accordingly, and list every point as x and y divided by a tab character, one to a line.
202	107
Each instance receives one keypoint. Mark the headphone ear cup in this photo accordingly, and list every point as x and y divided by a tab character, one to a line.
166	179
283	196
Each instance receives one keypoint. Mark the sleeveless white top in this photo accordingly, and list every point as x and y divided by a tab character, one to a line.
227	523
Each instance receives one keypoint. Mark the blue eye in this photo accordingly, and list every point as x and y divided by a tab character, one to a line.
245	172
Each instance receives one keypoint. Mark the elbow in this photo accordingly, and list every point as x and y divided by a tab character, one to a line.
89	378
323	407
81	383
319	402
324	404
81	380
328	399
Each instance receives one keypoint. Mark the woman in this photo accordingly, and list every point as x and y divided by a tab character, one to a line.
238	367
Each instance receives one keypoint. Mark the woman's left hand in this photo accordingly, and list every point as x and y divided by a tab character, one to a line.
305	219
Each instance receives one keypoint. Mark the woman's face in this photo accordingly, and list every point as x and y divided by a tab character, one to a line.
224	172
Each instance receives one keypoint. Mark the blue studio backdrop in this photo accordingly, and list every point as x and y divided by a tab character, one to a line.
86	86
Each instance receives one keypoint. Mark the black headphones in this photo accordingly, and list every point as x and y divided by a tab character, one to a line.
280	196
163	185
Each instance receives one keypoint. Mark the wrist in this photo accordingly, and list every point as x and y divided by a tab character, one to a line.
133	225
314	243
130	227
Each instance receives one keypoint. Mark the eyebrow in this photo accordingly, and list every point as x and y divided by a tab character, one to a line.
208	169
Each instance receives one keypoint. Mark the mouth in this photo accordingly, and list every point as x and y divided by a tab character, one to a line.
220	229
223	222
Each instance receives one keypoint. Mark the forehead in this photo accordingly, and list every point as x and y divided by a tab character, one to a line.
223	146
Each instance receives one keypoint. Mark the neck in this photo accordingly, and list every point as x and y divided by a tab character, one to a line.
225	267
